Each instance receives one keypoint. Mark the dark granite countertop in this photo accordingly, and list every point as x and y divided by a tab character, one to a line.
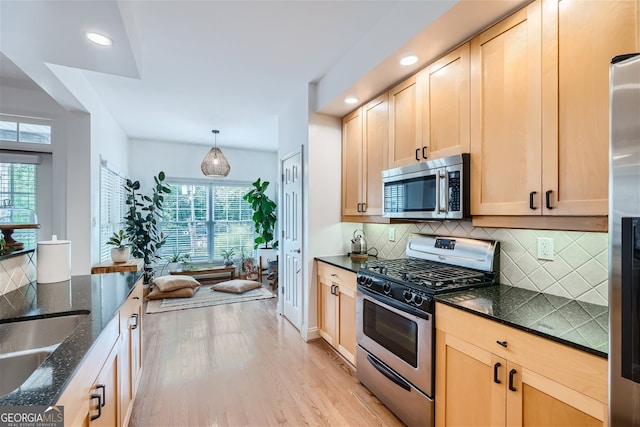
577	324
345	261
100	295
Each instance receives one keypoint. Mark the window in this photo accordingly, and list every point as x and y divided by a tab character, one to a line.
29	130
204	219
112	207
18	185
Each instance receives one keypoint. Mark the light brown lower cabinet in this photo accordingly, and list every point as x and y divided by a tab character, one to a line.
130	352
490	374
337	309
102	390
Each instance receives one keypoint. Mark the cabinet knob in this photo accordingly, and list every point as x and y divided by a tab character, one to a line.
512	374
495	373
99	407
531	197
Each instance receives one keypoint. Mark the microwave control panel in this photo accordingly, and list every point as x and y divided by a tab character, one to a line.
454	191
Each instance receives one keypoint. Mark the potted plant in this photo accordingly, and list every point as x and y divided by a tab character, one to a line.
248	269
175	259
142	218
227	256
264	219
120	251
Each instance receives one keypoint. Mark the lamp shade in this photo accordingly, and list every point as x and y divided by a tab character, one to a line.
215	164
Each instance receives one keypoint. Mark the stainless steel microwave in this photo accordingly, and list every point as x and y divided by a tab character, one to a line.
434	189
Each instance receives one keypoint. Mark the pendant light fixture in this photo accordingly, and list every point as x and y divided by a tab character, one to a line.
215	164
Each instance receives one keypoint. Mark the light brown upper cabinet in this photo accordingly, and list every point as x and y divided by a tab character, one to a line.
506	115
405	124
444	88
540	107
579	38
365	136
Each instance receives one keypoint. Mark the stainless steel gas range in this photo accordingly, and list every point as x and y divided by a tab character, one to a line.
395	317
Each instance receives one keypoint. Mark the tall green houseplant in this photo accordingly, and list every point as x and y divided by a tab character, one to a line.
141	221
264	214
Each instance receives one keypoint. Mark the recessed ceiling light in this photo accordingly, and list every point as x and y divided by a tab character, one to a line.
99	39
409	60
351	100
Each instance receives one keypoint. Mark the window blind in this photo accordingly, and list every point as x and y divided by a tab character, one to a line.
112	207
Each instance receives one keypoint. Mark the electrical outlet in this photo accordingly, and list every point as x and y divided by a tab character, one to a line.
392	234
545	248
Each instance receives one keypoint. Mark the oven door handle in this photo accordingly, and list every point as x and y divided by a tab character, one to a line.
397	379
395	304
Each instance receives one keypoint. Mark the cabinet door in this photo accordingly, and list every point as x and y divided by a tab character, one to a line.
327	321
352	163
405	135
106	386
579	39
375	118
446	104
466	387
130	351
347	323
539	401
506	116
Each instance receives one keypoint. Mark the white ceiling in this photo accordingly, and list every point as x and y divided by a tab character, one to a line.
178	69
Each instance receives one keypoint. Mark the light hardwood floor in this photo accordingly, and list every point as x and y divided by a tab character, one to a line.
242	364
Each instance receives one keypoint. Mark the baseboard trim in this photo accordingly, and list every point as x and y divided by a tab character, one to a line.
311	334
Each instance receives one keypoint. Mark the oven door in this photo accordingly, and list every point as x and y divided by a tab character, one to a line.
398	335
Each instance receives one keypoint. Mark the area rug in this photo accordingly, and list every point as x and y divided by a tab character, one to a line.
205	297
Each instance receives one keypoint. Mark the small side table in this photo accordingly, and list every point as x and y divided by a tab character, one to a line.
133	264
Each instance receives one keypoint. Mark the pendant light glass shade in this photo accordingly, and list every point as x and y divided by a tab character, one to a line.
215	164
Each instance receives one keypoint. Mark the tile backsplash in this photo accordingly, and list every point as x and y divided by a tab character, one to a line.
17	271
579	270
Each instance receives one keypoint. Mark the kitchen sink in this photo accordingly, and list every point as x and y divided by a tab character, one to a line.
37	333
15	368
25	344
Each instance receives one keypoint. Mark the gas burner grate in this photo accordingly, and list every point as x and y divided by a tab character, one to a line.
432	275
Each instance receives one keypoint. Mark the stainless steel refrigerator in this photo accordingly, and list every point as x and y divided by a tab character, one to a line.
624	242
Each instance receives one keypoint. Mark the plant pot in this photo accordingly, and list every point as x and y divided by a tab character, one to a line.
173	266
119	255
266	255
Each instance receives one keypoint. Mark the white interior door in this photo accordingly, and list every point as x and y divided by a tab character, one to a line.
291	280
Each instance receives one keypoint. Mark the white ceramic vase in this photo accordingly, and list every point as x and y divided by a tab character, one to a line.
119	255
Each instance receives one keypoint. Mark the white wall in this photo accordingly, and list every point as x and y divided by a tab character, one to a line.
321	138
92	135
183	159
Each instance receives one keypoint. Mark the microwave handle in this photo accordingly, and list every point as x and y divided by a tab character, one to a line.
443	191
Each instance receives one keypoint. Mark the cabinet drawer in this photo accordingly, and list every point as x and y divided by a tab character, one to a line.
339	276
574	368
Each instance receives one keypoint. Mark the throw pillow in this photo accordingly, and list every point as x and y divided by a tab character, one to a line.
173	282
236	286
177	293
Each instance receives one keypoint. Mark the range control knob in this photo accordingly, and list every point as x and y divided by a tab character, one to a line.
417	299
361	280
386	288
407	295
368	282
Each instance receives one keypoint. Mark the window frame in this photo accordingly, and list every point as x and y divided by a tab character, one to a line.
210	222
